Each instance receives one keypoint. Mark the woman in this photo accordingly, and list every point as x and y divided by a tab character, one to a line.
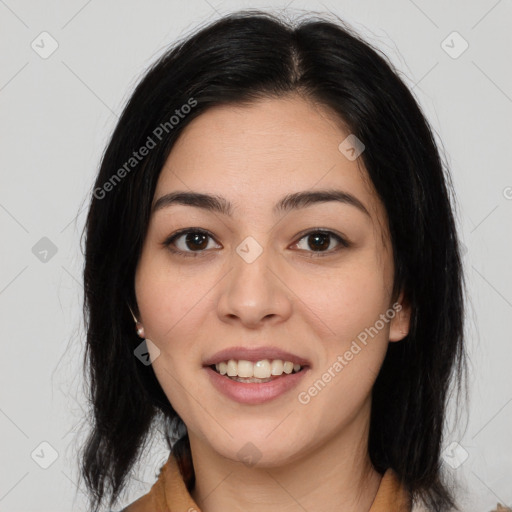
273	213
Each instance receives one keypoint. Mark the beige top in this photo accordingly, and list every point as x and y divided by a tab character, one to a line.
170	494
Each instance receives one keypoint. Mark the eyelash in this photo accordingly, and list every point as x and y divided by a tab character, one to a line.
168	242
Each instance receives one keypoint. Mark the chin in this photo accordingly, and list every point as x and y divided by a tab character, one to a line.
259	452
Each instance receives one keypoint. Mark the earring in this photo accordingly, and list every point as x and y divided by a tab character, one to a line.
140	329
134	317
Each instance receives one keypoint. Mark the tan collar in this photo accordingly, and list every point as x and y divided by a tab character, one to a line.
169	494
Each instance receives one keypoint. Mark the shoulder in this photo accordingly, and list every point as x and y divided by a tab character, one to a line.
155	499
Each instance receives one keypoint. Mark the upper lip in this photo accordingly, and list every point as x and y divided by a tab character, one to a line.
254	354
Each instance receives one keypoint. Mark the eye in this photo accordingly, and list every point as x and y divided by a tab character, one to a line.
191	238
194	241
320	241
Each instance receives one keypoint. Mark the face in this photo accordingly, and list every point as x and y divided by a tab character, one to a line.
312	278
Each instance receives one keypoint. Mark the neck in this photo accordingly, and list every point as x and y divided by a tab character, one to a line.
338	475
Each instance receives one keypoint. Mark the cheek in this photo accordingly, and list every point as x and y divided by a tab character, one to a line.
334	395
170	306
168	300
349	306
349	299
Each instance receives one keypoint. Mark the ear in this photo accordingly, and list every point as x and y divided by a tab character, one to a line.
400	323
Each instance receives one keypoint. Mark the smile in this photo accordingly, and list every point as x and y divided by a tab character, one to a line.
255	383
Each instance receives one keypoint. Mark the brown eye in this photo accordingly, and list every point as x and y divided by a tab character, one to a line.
189	242
195	240
321	241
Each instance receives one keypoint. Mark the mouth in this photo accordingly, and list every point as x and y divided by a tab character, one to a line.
255	380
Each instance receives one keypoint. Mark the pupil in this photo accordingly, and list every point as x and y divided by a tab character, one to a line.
324	237
193	237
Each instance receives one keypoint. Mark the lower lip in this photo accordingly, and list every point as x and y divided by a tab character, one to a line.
254	392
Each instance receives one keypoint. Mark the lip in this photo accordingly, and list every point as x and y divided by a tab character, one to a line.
255	354
255	393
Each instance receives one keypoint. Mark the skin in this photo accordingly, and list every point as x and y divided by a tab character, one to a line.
314	456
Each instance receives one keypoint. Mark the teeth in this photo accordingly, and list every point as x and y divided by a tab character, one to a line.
245	369
276	367
263	369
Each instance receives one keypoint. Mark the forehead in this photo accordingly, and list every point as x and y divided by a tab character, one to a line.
256	154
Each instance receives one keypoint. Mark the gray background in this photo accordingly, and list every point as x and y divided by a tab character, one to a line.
56	115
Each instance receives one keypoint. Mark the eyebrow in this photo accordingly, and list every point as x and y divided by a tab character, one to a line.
295	201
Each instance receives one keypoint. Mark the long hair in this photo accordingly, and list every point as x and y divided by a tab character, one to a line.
235	60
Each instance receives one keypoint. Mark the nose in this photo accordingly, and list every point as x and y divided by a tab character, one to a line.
254	292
